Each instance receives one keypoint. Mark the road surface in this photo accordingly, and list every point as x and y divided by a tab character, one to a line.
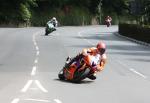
30	62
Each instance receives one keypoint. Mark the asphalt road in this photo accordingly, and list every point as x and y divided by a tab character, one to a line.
30	62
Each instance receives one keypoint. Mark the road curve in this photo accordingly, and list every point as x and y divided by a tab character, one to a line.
30	62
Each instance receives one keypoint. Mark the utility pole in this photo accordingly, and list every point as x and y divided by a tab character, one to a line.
100	11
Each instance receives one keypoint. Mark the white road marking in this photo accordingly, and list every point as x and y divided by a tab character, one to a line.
36	61
79	34
33	88
27	86
121	63
132	70
40	86
140	74
33	70
57	101
37	48
35	43
16	100
37	53
37	83
38	100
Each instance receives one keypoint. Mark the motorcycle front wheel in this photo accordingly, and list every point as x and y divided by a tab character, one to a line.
61	75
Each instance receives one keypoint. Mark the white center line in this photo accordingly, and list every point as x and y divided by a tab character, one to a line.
24	89
34	42
37	53
33	70
36	61
37	48
27	86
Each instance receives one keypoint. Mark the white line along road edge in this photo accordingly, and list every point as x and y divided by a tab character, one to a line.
131	69
140	74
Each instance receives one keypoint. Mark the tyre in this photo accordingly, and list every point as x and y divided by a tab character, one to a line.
61	75
46	31
78	76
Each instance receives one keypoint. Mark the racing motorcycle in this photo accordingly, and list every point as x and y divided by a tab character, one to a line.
108	22
72	69
49	28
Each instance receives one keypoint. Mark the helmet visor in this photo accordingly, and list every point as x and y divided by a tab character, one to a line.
101	51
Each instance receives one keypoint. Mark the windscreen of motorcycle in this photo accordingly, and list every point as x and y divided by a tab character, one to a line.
50	25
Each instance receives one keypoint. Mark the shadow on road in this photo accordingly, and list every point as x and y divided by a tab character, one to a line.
101	36
82	82
141	60
136	52
132	48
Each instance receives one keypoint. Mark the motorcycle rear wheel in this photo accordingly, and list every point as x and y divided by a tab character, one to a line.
79	76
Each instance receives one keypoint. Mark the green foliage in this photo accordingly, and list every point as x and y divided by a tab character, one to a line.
25	14
118	6
142	12
75	16
68	12
115	9
15	11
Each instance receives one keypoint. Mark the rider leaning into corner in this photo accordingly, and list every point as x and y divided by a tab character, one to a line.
98	60
108	19
53	21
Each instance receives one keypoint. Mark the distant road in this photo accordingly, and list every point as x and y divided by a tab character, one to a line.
30	62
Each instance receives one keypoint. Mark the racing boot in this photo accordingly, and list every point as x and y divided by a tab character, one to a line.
68	59
92	76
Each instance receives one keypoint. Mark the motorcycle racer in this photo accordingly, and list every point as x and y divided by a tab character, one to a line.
96	57
99	58
51	26
53	21
108	21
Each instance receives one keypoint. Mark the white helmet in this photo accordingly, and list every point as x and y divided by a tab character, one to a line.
54	18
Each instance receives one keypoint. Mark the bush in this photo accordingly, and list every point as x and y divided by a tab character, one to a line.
138	32
77	16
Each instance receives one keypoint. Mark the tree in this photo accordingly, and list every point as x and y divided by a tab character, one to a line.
15	10
141	10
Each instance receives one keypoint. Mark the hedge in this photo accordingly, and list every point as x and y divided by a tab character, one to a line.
135	31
